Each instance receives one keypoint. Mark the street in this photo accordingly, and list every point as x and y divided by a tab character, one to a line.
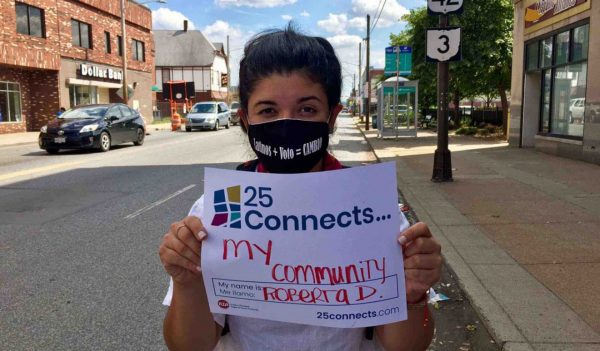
80	231
79	236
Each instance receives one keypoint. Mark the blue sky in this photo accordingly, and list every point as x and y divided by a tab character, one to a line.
342	22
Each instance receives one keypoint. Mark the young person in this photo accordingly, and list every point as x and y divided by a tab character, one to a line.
290	86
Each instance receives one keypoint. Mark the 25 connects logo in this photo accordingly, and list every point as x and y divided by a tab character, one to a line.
228	208
257	213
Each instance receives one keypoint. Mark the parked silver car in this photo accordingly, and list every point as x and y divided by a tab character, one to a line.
576	110
208	115
235	118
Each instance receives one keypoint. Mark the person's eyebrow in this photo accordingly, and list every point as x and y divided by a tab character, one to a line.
264	102
308	98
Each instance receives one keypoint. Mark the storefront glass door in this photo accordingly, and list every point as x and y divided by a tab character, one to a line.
83	95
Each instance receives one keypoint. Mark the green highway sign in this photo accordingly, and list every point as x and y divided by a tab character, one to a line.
401	55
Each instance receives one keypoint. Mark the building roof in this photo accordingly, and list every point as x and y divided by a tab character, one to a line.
218	46
182	48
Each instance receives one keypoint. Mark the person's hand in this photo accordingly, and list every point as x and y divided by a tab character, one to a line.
422	261
180	250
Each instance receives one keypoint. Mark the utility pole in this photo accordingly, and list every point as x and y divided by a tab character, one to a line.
354	93
442	163
368	68
124	52
228	73
359	78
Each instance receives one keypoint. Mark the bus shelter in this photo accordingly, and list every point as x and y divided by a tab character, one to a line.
397	107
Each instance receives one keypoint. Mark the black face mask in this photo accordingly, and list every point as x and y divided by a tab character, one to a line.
289	145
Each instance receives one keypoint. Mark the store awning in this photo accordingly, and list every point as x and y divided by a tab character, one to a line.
75	81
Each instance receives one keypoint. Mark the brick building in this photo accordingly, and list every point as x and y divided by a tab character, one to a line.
63	53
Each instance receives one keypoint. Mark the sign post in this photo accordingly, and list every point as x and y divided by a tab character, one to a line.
443	45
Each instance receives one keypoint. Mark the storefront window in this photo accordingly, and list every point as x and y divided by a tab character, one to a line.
580	42
546	52
10	102
83	95
564	74
533	56
562	48
546	91
569	100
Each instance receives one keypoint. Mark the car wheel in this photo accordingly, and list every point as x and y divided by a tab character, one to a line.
140	137
188	129
52	151
227	125
216	127
104	142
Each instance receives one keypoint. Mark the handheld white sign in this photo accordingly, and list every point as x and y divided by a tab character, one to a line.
305	248
444	7
443	44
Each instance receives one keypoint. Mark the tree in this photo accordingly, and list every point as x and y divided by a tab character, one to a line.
486	51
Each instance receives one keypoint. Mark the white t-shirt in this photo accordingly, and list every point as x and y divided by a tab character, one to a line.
252	334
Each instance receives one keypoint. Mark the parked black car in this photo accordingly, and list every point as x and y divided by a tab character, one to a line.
93	127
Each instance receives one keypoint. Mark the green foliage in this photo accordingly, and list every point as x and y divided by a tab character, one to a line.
466	130
486	49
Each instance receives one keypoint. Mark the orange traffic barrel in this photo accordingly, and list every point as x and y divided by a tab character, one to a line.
175	122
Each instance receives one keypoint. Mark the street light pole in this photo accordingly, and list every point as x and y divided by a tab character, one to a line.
368	68
124	52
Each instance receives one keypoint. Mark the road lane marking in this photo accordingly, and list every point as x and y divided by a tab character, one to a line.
159	202
29	172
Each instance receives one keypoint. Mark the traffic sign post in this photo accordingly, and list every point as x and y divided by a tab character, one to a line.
443	45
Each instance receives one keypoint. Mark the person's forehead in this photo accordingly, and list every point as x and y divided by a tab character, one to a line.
290	86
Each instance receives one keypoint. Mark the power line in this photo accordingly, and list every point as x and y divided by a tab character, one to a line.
376	10
379	15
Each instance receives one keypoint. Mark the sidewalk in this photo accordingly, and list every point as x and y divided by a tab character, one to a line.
18	138
520	229
458	325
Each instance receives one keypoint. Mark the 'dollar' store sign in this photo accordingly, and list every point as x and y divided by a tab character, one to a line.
92	71
539	11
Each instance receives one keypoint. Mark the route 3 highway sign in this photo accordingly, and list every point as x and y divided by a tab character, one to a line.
443	44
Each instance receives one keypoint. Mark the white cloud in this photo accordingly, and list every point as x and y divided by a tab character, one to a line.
164	18
304	14
346	49
254	3
391	12
338	23
287	17
334	23
218	31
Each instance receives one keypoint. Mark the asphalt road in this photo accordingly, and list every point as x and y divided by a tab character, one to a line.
79	235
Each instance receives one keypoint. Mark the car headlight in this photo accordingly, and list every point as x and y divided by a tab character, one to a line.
44	129
89	128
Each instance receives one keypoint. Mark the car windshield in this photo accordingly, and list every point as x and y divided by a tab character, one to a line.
235	105
84	112
204	108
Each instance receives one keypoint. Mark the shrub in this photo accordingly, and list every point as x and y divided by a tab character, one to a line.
466	130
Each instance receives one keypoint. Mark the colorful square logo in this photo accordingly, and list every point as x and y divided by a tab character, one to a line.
228	208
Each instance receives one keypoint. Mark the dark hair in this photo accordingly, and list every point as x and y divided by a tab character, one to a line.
286	51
